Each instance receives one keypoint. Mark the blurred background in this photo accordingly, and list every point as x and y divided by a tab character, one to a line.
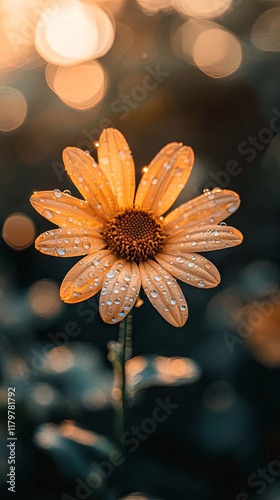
204	72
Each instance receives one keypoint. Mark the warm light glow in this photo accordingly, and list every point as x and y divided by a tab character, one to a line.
43	394
18	231
59	359
74	33
47	436
70	431
135	365
115	6
184	38
217	53
151	7
13	107
265	31
206	9
81	86
44	298
172	369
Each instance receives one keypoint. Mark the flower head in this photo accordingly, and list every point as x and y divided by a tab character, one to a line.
126	240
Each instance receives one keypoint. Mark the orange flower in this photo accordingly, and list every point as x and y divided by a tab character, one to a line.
126	240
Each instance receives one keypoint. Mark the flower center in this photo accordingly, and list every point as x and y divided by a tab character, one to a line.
134	234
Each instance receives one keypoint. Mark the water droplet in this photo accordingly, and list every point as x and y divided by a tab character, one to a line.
66	191
157	278
104	290
208	230
180	260
99	205
206	191
201	284
86	245
122	314
42	200
70	219
208	265
172	301
96	262
104	160
122	155
216	233
154	181
222	224
154	294
126	277
68	231
57	193
109	302
183	308
167	165
211	219
193	257
191	264
114	319
216	190
193	243
66	241
232	208
44	248
60	251
111	274
166	308
48	214
77	240
75	294
118	301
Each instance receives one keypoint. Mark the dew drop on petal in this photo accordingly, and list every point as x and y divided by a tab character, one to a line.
75	294
216	233
154	181
104	160
193	243
183	308
222	224
66	191
60	251
206	191
48	214
154	294
232	208
200	284
172	301
122	314
191	264
114	319
68	231
157	278
111	274
86	245
180	260
70	219
57	193
42	200
96	262
77	240
166	308
208	265
127	277
109	302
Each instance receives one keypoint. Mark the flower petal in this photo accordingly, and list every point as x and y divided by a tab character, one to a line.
90	180
65	210
167	175
86	278
190	268
115	160
120	291
67	242
164	293
211	207
203	238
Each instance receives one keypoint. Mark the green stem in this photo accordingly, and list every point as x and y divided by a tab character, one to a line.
119	353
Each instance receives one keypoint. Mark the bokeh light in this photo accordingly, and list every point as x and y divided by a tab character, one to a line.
44	298
18	231
75	32
206	9
151	7
265	31
217	53
184	38
80	87
59	359
43	394
13	108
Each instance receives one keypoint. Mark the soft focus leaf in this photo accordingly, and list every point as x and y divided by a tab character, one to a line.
151	370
